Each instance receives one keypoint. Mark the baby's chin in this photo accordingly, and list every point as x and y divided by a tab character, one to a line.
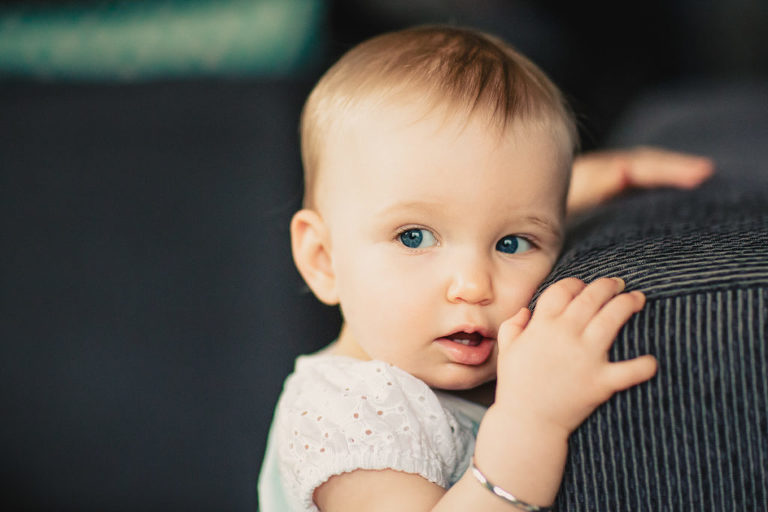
460	379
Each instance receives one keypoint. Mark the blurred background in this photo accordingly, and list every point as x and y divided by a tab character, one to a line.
602	54
149	166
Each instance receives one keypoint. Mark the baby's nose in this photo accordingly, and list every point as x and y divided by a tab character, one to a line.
472	284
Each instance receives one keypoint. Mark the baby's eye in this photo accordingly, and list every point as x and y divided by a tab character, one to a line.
417	238
512	244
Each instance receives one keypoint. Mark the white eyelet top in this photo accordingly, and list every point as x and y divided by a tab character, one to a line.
339	414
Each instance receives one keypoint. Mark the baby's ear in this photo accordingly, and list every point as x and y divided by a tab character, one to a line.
310	243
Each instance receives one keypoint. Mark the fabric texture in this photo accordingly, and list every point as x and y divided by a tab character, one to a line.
695	437
339	414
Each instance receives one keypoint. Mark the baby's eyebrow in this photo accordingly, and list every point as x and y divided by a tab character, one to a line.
547	224
420	206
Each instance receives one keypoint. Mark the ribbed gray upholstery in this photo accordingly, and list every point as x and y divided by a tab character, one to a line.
696	436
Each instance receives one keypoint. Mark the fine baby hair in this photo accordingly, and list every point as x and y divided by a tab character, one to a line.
465	72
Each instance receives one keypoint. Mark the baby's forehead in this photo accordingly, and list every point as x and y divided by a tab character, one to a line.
413	143
425	122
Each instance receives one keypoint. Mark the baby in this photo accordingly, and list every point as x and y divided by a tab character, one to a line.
437	166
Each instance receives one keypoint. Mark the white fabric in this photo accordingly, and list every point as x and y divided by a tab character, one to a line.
339	414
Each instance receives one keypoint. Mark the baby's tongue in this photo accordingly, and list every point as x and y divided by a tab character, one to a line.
466	338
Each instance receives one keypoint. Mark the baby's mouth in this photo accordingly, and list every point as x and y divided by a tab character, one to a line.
471	339
468	348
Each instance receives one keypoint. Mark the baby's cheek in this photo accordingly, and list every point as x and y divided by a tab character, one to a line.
393	305
407	287
516	289
514	298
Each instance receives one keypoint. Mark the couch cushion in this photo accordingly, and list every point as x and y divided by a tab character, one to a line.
695	436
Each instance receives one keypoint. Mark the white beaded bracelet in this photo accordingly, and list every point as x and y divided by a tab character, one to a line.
501	493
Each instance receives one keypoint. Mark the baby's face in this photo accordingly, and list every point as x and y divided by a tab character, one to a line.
439	231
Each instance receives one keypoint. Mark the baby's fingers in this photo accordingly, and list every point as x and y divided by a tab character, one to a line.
512	327
625	374
592	299
655	167
558	295
605	325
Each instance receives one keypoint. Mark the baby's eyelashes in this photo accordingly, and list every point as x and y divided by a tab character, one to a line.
423	238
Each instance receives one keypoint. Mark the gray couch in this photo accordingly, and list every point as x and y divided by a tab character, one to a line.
696	436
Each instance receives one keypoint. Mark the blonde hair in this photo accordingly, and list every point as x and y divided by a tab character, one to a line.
465	69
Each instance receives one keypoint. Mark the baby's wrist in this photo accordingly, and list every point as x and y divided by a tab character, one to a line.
527	419
521	453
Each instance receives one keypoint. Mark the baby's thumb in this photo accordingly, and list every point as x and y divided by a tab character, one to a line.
512	327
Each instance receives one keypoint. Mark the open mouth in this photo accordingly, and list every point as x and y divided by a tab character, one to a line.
469	348
470	339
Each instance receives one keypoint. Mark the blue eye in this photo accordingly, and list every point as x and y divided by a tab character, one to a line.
417	238
511	244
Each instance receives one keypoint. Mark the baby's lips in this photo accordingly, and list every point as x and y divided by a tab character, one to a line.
472	355
470	330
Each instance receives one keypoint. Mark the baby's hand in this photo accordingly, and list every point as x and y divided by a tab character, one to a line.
554	370
601	175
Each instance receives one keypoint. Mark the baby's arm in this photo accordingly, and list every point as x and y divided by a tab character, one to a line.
552	372
601	175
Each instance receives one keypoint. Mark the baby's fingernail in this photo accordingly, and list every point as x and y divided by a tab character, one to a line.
621	282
